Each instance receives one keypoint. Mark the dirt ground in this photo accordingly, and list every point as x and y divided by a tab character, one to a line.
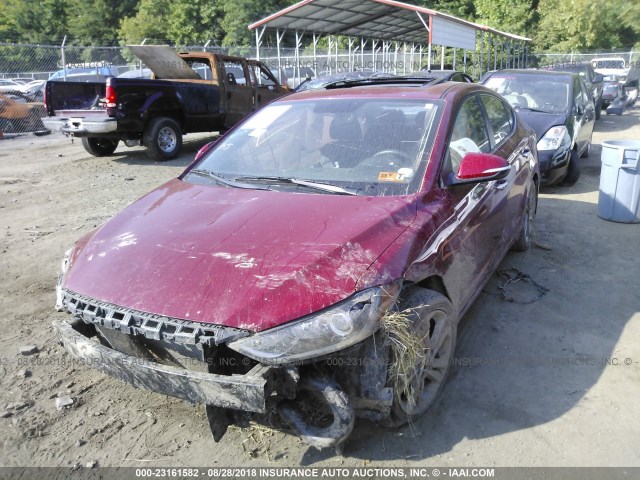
554	382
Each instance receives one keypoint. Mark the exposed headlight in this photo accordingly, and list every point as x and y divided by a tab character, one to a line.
554	138
64	266
333	329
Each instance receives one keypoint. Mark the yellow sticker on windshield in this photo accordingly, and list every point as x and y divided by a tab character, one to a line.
389	177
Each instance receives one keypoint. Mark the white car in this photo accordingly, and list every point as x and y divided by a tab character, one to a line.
8	85
627	72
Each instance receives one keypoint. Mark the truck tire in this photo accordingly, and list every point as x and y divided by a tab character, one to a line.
99	147
163	139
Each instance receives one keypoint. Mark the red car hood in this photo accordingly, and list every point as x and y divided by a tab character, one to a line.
249	259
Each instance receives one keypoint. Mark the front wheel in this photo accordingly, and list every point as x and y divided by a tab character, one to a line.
163	139
99	147
418	371
523	242
573	170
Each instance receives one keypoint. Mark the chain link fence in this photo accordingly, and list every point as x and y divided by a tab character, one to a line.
25	68
559	59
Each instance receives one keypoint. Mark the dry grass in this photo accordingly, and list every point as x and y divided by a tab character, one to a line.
407	351
258	440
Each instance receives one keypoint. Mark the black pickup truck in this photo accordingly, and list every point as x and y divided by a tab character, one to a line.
190	92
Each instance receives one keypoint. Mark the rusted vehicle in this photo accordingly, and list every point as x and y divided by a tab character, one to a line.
312	265
190	92
18	116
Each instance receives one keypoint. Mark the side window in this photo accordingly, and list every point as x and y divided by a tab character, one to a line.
235	73
262	77
585	93
202	68
500	118
577	92
468	134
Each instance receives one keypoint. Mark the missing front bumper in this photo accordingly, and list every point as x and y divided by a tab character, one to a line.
241	392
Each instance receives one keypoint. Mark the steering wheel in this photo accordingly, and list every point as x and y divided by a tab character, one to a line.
378	159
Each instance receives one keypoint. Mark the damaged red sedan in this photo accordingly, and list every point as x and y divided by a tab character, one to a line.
312	265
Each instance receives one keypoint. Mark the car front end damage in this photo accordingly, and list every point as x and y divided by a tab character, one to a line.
313	376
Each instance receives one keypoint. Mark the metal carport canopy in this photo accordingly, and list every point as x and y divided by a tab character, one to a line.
379	19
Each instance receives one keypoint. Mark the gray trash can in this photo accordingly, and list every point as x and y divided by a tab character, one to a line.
619	197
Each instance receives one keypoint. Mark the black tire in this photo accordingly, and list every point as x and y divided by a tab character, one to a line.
162	139
99	147
573	170
632	103
523	242
431	315
324	396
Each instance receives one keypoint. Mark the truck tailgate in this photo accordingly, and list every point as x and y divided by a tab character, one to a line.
74	96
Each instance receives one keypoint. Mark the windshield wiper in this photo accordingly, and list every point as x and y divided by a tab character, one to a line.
325	187
520	107
225	181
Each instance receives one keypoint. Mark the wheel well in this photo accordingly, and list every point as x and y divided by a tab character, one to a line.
536	185
436	284
165	107
152	115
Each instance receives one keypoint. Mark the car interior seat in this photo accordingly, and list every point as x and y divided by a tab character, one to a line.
385	132
345	149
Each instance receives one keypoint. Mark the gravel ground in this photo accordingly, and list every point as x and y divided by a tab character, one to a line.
553	382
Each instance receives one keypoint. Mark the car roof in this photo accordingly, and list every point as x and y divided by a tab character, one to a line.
415	91
533	72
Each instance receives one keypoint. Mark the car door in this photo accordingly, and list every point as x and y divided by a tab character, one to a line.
588	119
578	118
502	123
480	209
266	87
201	102
238	89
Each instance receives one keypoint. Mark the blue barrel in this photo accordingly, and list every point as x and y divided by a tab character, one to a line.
619	197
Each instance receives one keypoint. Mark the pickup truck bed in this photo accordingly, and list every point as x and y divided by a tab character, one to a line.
156	113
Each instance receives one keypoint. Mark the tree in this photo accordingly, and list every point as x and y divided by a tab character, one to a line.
464	9
584	25
8	30
238	14
96	22
150	22
513	16
38	22
193	22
